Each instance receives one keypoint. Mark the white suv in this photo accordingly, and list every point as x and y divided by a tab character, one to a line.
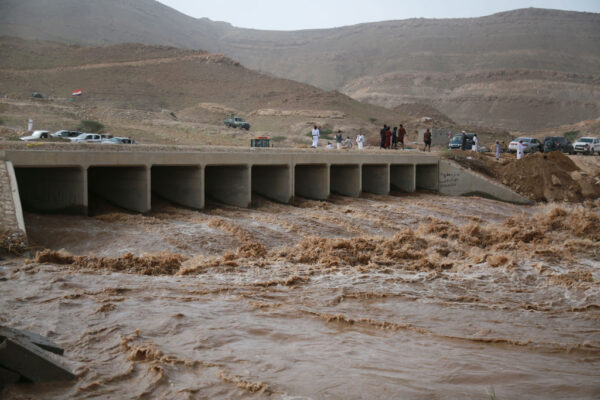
587	145
87	138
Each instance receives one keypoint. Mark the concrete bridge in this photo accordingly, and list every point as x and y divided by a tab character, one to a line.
62	181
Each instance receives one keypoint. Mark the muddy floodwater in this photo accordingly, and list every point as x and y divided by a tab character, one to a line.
383	297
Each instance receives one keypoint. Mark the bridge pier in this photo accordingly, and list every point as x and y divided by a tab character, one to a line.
376	178
345	180
229	184
403	177
127	187
311	181
427	176
59	189
180	184
273	182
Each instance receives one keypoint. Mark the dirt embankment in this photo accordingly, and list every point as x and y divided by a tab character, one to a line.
540	177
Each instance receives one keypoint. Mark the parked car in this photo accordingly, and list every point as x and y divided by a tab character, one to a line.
87	138
587	145
65	134
119	140
456	141
36	135
530	145
237	122
557	143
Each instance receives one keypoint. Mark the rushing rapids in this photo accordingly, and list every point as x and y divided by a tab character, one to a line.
407	296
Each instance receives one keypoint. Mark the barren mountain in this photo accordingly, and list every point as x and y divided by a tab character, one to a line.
135	83
523	69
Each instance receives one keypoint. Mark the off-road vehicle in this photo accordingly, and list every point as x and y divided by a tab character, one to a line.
237	122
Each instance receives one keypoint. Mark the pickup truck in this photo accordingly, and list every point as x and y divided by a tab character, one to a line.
587	145
237	122
36	135
65	134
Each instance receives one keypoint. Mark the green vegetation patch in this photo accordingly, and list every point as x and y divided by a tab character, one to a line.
90	126
571	135
278	138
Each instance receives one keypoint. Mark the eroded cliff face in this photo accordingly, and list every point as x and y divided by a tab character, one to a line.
511	99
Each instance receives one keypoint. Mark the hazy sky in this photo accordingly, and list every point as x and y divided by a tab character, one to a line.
308	14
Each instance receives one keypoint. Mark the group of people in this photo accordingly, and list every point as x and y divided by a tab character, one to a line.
499	148
390	138
340	142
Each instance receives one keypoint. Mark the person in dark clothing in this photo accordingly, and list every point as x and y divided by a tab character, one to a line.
338	139
427	140
382	136
388	138
395	137
401	134
463	144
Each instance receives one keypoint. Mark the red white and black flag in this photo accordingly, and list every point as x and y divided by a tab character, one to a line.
76	92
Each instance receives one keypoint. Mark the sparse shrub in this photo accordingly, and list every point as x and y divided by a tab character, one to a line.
278	138
571	135
372	119
90	126
1	121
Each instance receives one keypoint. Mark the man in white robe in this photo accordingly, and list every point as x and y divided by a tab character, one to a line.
475	143
520	150
360	140
315	137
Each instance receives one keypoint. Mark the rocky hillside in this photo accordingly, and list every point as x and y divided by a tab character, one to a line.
135	84
523	69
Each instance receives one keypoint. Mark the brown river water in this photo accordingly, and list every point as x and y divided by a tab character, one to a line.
383	297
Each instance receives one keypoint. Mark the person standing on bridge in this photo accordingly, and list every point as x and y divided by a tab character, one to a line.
360	140
395	137
382	137
388	138
338	139
427	140
401	134
315	137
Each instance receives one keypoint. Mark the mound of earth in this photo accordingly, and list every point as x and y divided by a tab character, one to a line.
539	177
423	110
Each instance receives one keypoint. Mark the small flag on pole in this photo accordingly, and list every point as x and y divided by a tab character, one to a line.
76	92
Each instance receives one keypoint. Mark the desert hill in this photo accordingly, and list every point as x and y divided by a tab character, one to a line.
512	70
133	84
